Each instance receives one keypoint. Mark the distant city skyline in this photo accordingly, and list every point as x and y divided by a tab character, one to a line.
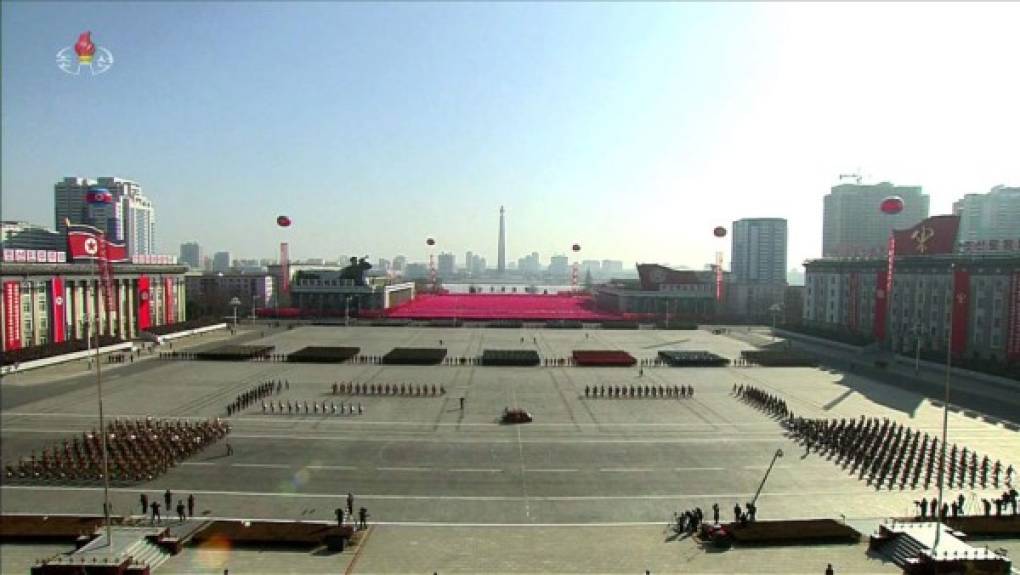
630	129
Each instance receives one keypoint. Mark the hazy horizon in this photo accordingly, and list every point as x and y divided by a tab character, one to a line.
632	129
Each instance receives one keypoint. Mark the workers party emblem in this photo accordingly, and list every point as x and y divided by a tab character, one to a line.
84	56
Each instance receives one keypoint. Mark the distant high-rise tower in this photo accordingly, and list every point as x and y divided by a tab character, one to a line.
501	262
854	225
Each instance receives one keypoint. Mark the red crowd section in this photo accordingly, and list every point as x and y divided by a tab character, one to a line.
504	306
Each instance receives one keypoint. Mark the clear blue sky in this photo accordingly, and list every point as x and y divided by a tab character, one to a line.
632	129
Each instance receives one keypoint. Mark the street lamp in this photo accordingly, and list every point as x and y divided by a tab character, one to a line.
777	455
776	308
234	302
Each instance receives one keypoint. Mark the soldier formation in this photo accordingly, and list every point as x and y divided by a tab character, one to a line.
264	389
403	389
890	453
764	401
639	391
137	450
289	407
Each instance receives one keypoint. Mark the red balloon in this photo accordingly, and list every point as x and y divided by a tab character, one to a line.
892	205
283	221
430	241
576	247
719	231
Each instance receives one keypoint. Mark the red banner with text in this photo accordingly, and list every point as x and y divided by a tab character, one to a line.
58	317
1013	341
961	308
168	301
878	326
12	315
144	304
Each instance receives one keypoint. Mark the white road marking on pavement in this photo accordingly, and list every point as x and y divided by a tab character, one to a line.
470	470
197	463
699	469
266	465
333	467
627	469
403	469
383	497
565	470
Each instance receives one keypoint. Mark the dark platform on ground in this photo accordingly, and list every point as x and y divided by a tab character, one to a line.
676	358
511	357
603	358
415	356
792	532
47	528
779	358
235	352
323	354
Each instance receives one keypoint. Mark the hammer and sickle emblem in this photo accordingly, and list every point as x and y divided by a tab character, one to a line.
922	236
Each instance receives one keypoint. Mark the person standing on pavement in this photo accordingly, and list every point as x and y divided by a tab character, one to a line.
363	518
168	500
155	511
145	503
180	511
829	570
715	513
191	505
350	503
339	516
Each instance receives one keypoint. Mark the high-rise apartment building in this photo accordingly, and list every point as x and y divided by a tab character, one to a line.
992	216
398	264
221	262
446	264
191	254
759	250
854	225
129	217
612	267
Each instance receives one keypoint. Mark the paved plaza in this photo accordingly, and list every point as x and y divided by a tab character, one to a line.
434	476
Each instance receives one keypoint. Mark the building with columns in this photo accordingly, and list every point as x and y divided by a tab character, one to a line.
54	302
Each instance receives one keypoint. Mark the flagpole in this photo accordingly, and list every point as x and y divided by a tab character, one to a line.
945	404
101	249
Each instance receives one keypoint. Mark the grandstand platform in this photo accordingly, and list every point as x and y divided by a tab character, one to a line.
537	307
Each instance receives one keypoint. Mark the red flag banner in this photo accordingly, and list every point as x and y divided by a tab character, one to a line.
878	327
168	301
891	267
285	267
1013	340
144	304
934	235
83	243
12	315
105	274
58	316
961	308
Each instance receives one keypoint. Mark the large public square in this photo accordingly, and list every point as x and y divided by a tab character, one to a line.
584	477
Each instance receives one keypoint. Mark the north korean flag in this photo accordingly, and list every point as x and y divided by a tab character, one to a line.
83	244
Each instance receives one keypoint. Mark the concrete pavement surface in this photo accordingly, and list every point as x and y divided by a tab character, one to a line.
428	471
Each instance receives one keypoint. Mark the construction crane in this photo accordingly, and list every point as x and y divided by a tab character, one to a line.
853	176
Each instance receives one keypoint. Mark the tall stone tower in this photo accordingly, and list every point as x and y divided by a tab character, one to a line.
501	263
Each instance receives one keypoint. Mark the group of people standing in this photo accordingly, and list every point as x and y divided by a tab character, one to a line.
153	507
404	389
639	392
137	450
764	401
264	389
890	453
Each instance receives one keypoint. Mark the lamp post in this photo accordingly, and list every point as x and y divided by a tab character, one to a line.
945	406
917	354
234	302
776	308
777	455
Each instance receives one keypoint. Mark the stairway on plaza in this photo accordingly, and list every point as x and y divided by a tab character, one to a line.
909	545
